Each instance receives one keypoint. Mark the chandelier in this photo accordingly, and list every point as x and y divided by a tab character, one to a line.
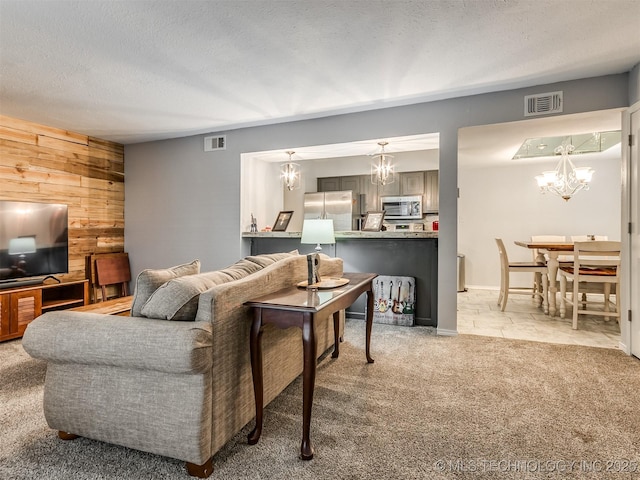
382	171
290	174
566	180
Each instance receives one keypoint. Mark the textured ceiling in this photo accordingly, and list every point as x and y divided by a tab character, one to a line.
133	71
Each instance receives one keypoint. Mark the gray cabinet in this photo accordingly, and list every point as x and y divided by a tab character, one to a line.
329	184
336	184
412	183
423	183
370	195
351	182
432	192
389	189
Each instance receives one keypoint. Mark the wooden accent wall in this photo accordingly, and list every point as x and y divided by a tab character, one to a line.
45	164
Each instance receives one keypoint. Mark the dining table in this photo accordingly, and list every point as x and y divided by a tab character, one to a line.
552	250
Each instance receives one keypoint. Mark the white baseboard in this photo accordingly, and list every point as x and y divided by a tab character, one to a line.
446	332
482	287
623	347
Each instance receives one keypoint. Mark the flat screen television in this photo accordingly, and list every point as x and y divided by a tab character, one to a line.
34	241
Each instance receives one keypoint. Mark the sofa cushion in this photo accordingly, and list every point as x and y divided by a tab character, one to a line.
270	258
178	298
149	280
241	269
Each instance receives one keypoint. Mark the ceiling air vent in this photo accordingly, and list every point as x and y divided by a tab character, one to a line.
215	143
542	104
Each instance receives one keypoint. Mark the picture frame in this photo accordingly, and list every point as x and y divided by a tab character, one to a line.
282	221
373	222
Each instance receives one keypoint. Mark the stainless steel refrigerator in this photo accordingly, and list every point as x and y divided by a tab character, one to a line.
338	206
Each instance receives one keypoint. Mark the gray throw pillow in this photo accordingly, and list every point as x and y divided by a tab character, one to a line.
178	298
149	281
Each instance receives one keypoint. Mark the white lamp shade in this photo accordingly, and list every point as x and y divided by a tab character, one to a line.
584	174
318	231
22	245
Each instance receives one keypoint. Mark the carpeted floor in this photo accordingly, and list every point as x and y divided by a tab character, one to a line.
429	407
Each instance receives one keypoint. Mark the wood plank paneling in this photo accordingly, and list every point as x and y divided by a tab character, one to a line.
45	164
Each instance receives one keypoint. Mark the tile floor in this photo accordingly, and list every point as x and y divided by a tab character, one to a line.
479	314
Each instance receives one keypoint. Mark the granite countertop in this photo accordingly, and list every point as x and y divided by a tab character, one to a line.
353	234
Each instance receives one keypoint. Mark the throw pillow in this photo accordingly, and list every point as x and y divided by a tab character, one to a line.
178	298
149	280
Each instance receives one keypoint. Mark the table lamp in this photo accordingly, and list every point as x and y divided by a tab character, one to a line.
318	231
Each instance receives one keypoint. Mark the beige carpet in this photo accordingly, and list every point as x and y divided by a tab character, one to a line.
430	407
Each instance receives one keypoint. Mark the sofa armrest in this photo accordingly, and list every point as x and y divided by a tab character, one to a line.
127	342
330	266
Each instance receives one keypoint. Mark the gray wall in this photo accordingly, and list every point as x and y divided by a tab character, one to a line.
487	199
183	203
634	85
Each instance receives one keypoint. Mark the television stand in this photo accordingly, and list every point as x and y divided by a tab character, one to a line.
20	304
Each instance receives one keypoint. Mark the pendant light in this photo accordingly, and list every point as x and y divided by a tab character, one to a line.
290	174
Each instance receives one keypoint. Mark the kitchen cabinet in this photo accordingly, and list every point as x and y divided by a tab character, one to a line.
412	183
389	189
407	183
370	196
431	202
337	184
329	184
351	182
20	305
423	183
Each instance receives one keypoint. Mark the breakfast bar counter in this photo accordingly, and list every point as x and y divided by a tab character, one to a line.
353	234
413	254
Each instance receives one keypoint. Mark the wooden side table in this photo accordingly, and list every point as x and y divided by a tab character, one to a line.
303	308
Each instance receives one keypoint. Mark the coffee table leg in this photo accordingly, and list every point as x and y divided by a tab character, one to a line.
310	348
369	324
336	334
256	370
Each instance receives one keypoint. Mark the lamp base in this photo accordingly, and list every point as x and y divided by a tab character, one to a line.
318	248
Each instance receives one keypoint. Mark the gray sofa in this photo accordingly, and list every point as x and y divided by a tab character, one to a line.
173	379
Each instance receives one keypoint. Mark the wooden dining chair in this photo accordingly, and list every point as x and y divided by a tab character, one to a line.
507	267
595	269
586	238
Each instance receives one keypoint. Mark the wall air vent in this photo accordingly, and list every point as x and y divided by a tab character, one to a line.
215	143
542	104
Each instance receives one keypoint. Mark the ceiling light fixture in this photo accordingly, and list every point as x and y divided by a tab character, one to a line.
290	174
382	171
566	180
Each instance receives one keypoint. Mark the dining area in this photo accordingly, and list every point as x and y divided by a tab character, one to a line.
527	302
573	276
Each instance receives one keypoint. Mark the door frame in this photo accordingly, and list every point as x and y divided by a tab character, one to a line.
630	235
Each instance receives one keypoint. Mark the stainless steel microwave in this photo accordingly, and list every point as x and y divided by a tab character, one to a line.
403	207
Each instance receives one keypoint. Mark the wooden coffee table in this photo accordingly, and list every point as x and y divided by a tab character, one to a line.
116	306
303	308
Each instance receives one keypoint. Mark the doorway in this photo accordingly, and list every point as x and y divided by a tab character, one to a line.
499	198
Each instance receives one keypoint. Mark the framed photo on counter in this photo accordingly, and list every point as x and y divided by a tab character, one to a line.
373	222
282	222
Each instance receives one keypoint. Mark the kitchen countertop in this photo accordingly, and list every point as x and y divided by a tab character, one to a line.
353	234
